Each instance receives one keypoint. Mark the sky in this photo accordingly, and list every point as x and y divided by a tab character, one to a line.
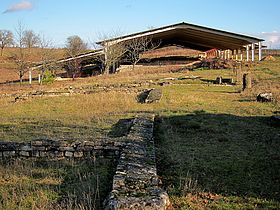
89	19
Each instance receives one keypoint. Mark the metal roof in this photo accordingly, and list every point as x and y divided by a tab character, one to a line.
192	36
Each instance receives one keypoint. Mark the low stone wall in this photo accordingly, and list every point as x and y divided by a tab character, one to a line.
135	183
61	149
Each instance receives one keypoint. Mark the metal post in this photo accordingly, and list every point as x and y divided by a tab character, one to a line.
241	55
260	51
253	52
39	78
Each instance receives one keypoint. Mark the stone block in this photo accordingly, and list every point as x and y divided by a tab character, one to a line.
37	143
24	153
78	154
265	97
38	148
60	144
26	148
69	149
43	154
119	144
111	148
55	154
89	143
98	147
88	148
47	142
68	154
154	96
35	153
9	153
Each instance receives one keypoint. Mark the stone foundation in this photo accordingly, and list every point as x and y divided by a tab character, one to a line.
135	183
61	149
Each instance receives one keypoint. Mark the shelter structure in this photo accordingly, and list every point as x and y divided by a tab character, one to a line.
215	42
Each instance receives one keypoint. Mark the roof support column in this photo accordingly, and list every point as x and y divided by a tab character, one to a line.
247	52
236	55
228	54
253	52
241	55
260	51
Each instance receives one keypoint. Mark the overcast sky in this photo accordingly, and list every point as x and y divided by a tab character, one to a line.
58	19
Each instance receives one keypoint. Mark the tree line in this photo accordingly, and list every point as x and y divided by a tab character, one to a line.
23	40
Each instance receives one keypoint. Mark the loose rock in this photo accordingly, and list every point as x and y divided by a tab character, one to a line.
265	97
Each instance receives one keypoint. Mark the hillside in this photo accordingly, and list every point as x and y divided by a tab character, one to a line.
216	147
8	68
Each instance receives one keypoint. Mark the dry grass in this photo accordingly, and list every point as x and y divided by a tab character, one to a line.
45	184
90	116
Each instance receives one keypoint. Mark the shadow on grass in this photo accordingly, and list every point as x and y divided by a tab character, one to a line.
56	184
219	153
121	128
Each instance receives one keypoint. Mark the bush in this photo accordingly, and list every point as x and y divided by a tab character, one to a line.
48	77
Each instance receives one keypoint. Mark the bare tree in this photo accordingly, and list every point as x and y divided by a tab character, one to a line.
137	46
112	55
47	57
20	57
6	38
113	52
74	47
30	39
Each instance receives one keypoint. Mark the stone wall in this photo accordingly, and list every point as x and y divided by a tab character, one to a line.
61	149
135	183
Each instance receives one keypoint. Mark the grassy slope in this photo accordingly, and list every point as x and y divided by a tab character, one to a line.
216	148
8	68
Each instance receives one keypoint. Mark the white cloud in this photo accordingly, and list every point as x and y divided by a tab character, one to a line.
272	39
24	5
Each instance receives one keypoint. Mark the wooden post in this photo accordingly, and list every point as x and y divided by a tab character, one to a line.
260	51
253	52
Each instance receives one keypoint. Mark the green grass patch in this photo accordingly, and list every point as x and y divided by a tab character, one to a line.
231	157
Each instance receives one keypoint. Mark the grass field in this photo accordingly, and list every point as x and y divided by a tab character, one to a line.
216	148
45	184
